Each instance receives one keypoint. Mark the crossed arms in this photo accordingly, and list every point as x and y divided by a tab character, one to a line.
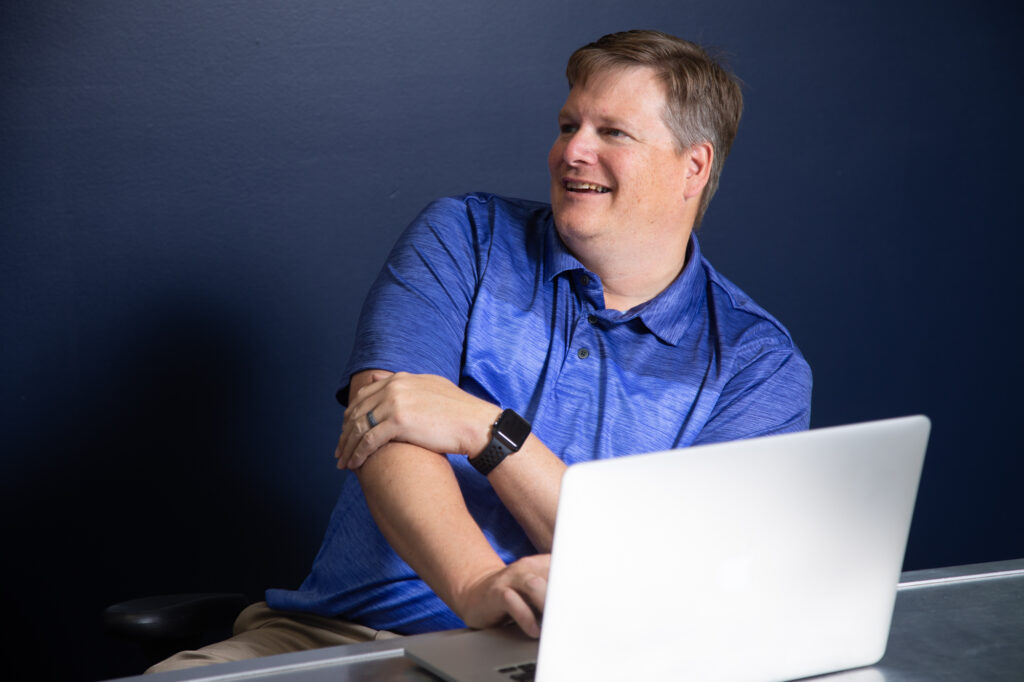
418	506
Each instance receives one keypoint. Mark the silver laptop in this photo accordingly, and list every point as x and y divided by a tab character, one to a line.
766	559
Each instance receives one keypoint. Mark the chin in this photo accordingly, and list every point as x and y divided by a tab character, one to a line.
572	229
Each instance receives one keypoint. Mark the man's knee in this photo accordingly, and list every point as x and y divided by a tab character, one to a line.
248	642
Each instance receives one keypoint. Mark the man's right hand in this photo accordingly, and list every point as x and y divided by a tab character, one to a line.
516	591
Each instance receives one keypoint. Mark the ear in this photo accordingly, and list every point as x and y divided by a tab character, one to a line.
698	168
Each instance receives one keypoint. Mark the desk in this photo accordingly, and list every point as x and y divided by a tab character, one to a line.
962	624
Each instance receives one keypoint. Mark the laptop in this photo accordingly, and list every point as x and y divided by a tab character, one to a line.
767	559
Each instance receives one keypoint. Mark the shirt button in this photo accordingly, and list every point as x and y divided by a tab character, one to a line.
584	280
583	353
592	319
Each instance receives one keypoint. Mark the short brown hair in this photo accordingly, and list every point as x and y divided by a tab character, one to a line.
704	100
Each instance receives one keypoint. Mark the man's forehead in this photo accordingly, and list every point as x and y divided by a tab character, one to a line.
609	84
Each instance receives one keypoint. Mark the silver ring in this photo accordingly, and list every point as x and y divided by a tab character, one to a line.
370	418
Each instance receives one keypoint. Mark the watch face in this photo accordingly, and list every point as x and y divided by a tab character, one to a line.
512	429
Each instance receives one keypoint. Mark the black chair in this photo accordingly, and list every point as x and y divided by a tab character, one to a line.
166	624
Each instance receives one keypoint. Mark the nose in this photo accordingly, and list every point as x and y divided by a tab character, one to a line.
580	148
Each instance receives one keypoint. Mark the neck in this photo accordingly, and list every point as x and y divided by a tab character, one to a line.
633	274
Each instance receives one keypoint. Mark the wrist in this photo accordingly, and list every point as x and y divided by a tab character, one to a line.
508	435
464	595
483	429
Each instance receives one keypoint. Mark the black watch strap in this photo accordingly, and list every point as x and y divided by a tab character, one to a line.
507	436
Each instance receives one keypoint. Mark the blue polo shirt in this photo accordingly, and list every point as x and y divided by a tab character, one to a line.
481	290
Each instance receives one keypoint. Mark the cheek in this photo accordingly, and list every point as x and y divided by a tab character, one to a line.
641	182
555	157
653	194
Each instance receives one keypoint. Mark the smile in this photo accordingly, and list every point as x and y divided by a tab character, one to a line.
585	187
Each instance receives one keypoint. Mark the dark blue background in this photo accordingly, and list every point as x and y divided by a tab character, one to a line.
195	196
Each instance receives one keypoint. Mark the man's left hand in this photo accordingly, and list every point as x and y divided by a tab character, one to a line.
422	409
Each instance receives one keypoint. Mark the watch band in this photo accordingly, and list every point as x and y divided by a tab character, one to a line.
508	434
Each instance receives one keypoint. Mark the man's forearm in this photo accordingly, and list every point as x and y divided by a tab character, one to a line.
435	415
528	483
418	506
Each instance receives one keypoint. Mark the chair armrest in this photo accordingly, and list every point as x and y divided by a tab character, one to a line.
173	616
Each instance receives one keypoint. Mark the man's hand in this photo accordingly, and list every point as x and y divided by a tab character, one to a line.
421	409
518	591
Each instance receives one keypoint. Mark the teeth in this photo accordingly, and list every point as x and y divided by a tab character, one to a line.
579	186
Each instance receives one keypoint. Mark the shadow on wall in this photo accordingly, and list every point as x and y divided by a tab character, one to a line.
136	484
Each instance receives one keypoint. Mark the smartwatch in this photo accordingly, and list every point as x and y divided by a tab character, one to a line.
507	435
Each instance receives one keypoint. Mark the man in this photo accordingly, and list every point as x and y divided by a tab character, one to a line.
506	339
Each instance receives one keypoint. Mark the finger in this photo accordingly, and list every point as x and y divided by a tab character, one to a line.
351	439
372	440
345	446
343	439
339	452
535	590
348	429
365	439
354	428
354	422
521	612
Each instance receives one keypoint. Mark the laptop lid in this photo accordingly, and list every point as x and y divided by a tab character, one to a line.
766	559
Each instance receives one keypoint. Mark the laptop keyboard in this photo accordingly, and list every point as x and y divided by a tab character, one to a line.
524	672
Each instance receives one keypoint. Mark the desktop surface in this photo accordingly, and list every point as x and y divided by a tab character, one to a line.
951	624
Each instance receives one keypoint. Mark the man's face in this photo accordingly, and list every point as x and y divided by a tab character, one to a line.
616	174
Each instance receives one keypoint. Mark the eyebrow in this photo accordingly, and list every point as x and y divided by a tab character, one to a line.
604	121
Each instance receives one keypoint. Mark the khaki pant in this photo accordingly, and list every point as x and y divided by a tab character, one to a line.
262	631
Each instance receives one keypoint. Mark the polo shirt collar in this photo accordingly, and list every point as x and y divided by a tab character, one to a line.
669	314
557	258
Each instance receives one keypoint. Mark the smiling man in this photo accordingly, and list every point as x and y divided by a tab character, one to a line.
506	339
625	192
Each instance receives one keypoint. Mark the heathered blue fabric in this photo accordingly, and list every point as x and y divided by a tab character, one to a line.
480	289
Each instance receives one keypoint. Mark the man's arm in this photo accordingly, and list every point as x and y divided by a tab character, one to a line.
418	506
439	417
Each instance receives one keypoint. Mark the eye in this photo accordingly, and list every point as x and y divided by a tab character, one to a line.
613	132
568	128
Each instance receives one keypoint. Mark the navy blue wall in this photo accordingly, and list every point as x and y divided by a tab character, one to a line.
195	196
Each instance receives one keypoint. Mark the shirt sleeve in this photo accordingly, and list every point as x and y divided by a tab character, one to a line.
414	318
769	395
